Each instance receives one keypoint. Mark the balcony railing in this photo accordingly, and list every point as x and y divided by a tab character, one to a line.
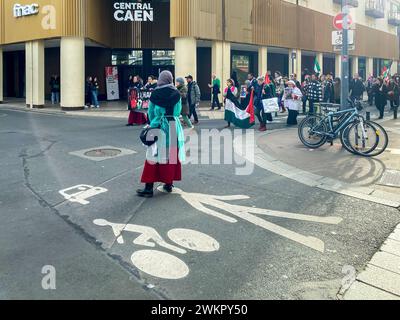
375	9
394	18
352	3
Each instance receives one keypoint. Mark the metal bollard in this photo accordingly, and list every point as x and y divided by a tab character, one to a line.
368	116
395	113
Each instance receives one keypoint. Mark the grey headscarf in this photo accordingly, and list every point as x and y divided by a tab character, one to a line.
166	79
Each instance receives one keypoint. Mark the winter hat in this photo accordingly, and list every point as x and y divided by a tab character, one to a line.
180	80
292	83
165	78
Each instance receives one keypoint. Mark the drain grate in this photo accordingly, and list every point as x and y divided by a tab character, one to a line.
391	178
103	153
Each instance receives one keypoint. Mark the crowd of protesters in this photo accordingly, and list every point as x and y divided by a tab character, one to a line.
295	95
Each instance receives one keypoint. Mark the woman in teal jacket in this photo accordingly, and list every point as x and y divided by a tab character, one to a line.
164	158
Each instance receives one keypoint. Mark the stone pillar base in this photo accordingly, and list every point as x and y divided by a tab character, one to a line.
36	106
72	108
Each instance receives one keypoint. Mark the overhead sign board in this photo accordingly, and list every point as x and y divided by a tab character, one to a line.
133	12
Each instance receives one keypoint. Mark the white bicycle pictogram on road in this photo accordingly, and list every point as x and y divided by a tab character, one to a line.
158	263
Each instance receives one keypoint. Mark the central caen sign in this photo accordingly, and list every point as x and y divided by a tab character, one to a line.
138	11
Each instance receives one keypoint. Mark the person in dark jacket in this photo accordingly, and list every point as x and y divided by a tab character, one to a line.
88	91
357	88
329	95
55	89
258	104
380	92
194	95
94	89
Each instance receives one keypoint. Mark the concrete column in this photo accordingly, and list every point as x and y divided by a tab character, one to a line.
320	58
338	66
1	75
295	65
354	66
185	57
72	73
262	61
369	66
221	60
393	69
34	62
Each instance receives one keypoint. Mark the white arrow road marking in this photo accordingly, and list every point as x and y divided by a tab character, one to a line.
197	201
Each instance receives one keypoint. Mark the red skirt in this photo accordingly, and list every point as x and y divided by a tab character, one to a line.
164	173
137	118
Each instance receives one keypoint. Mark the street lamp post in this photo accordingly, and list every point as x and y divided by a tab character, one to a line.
345	56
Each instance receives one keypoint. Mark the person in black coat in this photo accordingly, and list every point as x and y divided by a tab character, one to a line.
357	88
381	94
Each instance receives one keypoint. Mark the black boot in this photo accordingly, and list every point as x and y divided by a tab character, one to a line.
168	188
147	192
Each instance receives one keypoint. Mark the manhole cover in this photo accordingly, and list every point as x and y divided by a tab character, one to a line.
103	153
391	178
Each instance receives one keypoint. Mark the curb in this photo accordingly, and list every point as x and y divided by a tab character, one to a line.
267	162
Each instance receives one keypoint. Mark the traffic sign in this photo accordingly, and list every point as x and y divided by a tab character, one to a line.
338	21
337	38
352	47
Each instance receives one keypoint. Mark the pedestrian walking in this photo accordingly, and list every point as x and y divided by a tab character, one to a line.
292	100
230	86
94	90
183	91
380	93
215	86
88	92
55	89
393	93
164	157
194	96
259	95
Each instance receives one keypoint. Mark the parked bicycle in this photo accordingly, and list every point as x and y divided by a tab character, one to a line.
357	135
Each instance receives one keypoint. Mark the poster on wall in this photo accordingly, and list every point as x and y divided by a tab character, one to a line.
112	82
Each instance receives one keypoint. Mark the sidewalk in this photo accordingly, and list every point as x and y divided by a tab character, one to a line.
108	109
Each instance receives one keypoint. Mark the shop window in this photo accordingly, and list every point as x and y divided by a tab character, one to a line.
163	57
129	58
241	64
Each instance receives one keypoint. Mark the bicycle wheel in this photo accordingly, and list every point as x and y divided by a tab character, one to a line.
362	138
345	142
383	140
311	131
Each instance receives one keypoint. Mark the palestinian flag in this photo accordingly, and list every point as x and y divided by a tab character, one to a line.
244	119
317	67
386	72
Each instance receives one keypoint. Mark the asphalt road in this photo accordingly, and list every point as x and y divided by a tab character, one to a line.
229	248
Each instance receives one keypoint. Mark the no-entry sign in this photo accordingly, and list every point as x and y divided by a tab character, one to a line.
338	21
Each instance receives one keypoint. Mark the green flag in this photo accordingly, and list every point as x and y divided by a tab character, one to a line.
317	67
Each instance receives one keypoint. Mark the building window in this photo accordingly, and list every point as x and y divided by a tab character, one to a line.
126	57
241	64
163	57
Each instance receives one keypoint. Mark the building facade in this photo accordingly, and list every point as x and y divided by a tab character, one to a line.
78	38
